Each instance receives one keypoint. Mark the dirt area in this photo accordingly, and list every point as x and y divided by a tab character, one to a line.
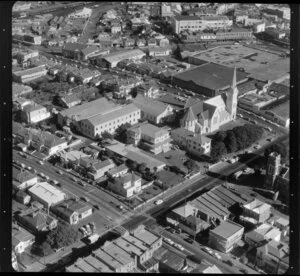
173	158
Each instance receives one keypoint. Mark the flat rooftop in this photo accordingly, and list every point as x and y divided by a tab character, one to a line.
258	62
88	110
212	76
226	229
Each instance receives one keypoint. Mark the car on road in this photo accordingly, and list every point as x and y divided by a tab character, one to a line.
96	206
217	255
158	202
84	198
23	154
269	139
178	246
41	175
29	168
73	178
121	207
208	250
189	240
40	162
60	172
81	183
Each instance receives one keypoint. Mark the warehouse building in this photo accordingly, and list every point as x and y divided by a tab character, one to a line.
209	79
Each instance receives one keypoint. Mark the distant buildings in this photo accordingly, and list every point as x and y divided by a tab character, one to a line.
195	23
149	137
46	194
126	185
84	13
29	74
225	236
111	60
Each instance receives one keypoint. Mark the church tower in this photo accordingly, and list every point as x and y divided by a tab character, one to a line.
273	167
232	97
189	120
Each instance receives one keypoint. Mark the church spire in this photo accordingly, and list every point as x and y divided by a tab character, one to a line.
233	85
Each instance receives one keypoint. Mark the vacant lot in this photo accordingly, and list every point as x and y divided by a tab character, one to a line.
150	192
169	178
173	158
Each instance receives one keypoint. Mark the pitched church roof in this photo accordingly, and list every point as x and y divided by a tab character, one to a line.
189	115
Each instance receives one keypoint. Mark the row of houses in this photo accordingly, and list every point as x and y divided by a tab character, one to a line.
131	252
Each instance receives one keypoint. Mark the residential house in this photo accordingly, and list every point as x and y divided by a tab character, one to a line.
69	100
257	210
163	42
149	89
128	42
159	51
98	169
273	257
118	171
152	110
21	239
262	234
36	221
20	103
23	179
141	42
34	113
151	42
126	185
196	144
149	137
186	218
23	198
72	211
225	236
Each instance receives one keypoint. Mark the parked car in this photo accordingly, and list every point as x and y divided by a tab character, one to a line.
81	183
84	198
218	256
40	162
158	202
60	172
189	240
96	206
88	229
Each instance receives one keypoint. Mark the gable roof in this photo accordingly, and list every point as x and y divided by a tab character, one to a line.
149	105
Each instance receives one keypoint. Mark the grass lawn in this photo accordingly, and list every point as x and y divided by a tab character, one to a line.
150	192
170	178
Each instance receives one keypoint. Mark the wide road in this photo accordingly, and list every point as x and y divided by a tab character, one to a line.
206	182
106	202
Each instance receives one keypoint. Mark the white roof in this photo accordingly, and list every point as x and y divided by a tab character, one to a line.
216	101
47	193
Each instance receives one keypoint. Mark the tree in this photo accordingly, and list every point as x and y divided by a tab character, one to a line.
132	165
177	53
220	136
218	149
191	165
106	135
230	142
63	235
46	248
142	168
121	132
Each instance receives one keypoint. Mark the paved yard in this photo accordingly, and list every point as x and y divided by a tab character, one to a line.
173	158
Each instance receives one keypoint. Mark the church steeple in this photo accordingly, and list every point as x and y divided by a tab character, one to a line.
233	84
232	97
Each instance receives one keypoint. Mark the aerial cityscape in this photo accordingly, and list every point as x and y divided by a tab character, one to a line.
150	137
